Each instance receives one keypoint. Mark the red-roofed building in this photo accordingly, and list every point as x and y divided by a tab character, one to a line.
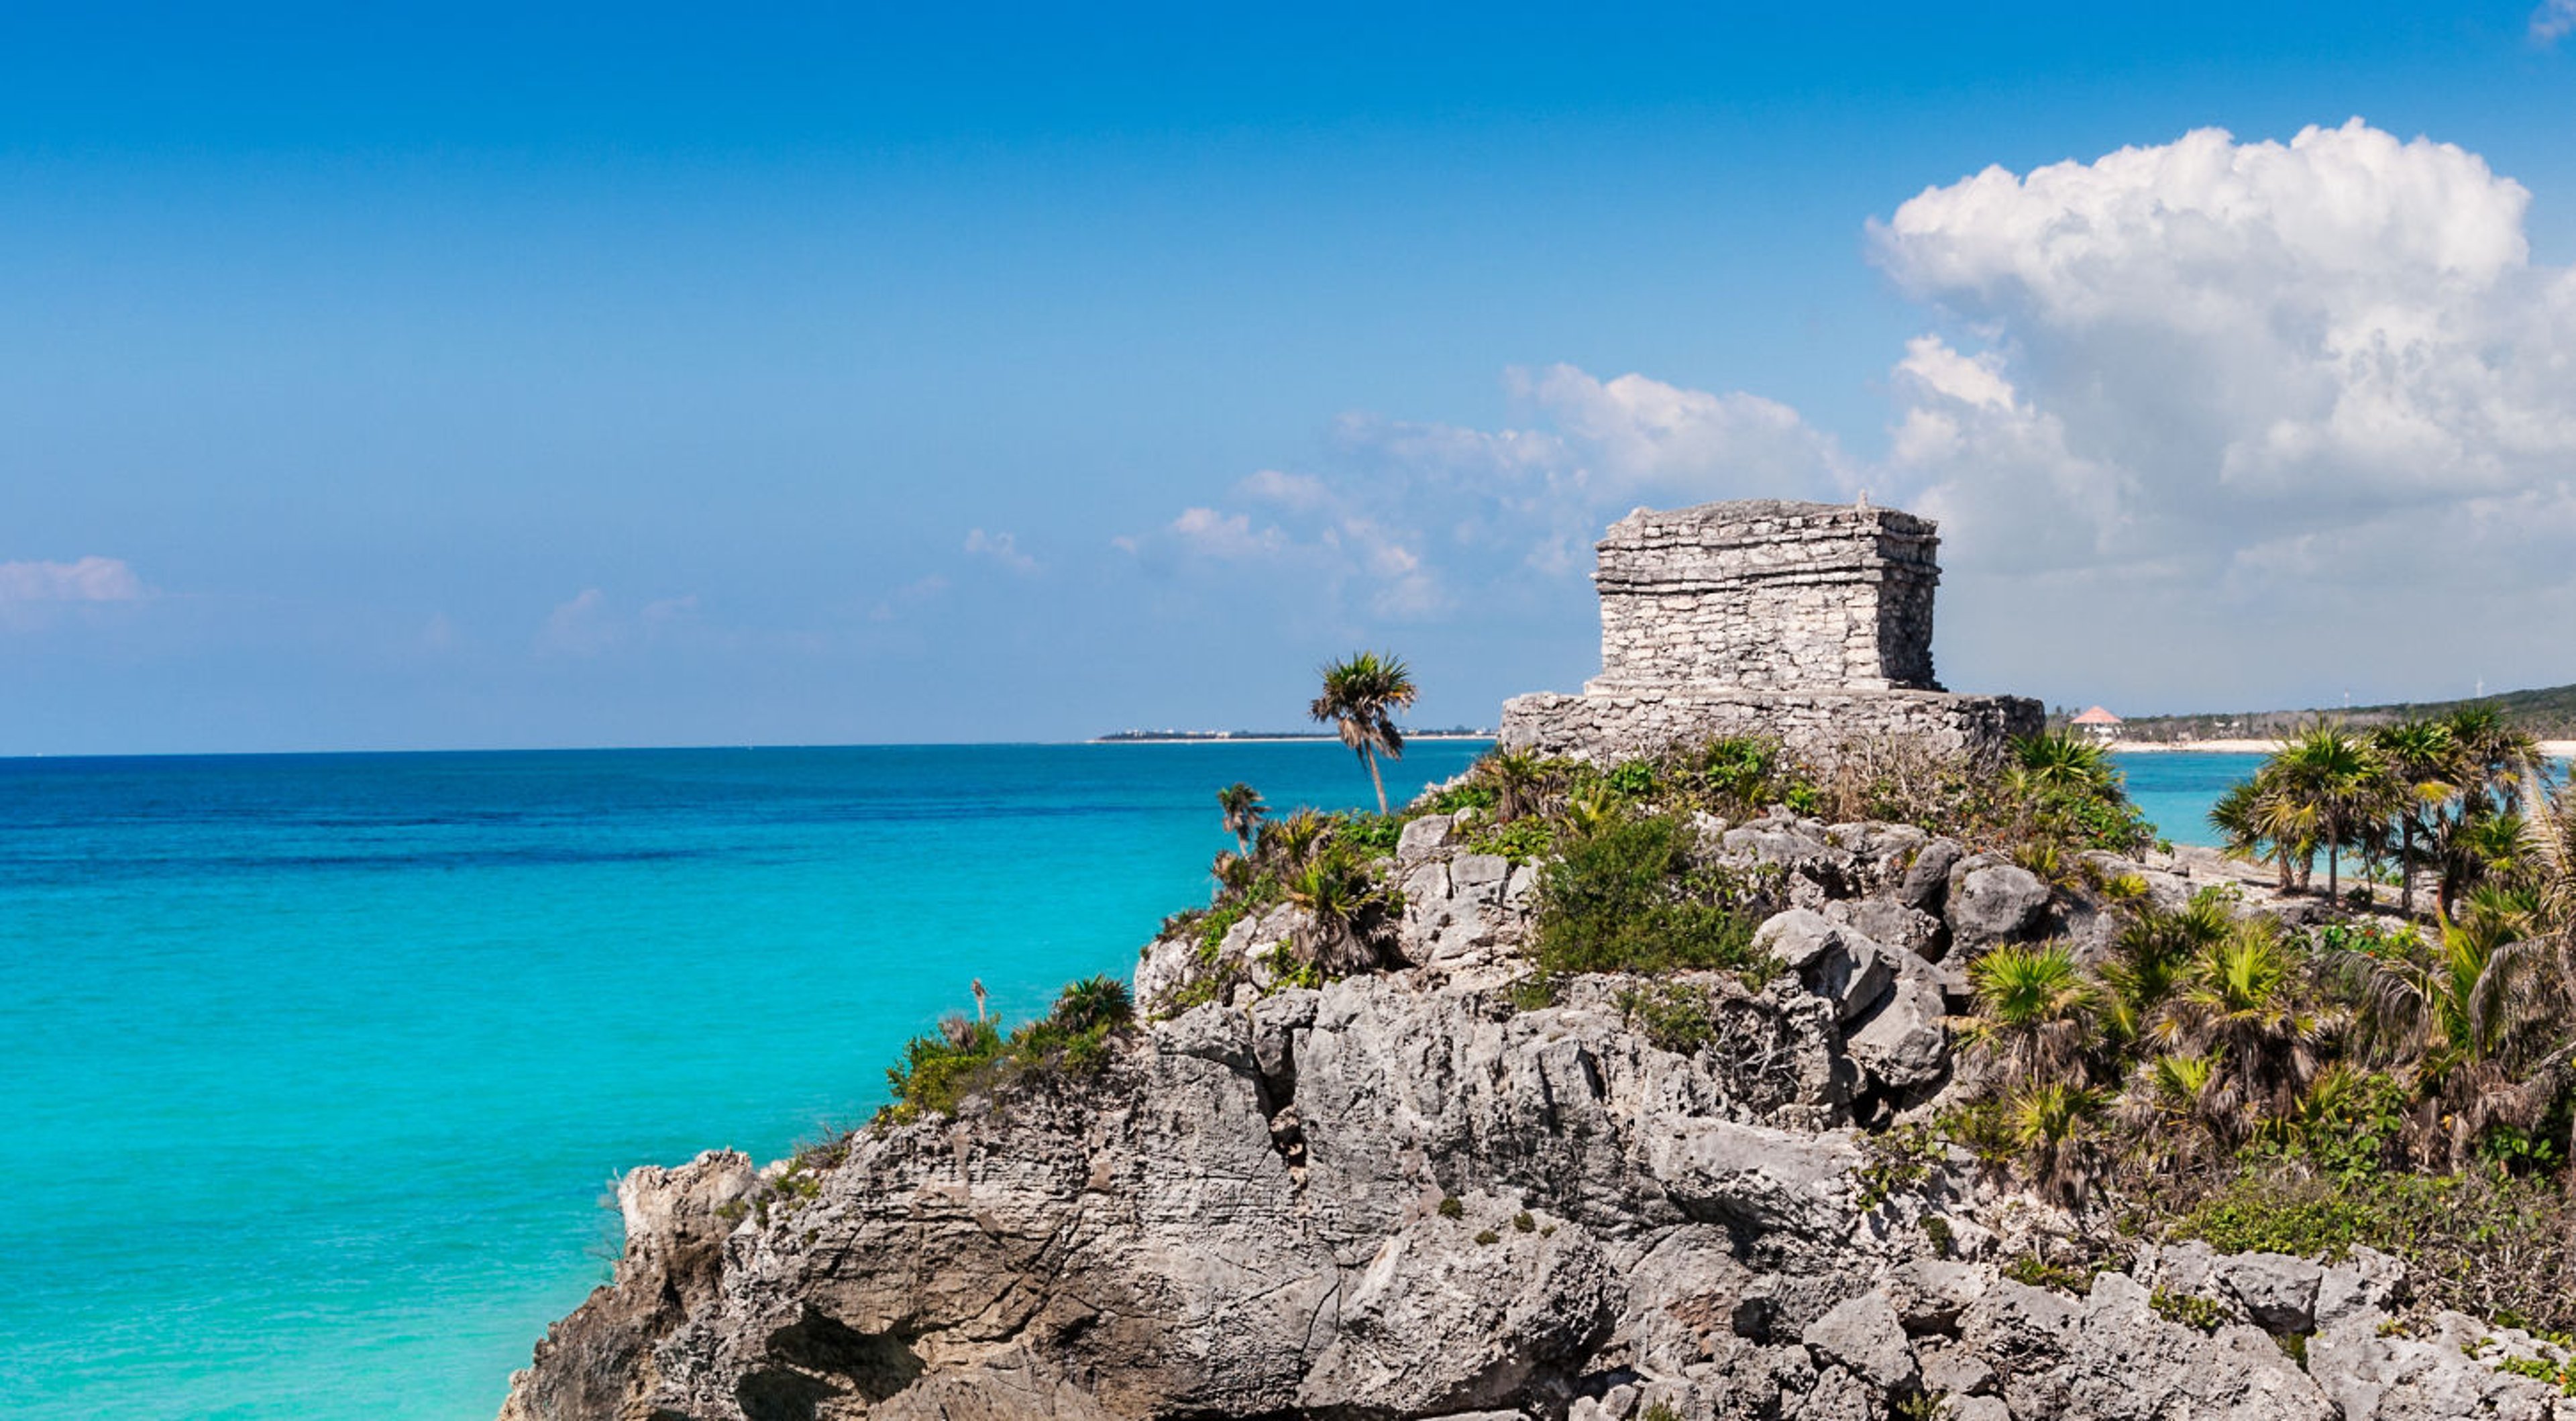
2100	724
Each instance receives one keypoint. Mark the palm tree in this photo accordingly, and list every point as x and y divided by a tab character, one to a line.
2064	760
2148	959
2173	1108
2471	849
2341	781
1094	1001
2478	1017
2241	1001
1518	779
2498	759
2424	763
1241	804
2035	1011
2055	1125
1360	696
2257	822
1291	842
1346	915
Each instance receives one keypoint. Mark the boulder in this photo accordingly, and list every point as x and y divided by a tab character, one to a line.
1925	884
2364	1284
1422	838
1901	1042
1991	902
1835	961
2279	1292
1893	925
1931	1293
2375	1375
1864	1336
1454	1315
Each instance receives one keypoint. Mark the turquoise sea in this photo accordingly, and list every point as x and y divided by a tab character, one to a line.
314	1069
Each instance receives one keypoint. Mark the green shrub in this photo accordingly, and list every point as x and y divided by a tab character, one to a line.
1632	779
1370	835
1488	1237
1466	795
1671	1016
2036	1272
2477	1242
2560	1376
1522	1222
1535	992
1521	841
1897	1161
1624	898
2189	1309
940	1071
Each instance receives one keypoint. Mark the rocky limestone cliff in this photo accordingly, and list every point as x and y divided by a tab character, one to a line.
1402	1196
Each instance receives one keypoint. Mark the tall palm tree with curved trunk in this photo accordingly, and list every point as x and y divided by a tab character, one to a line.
1241	804
1360	697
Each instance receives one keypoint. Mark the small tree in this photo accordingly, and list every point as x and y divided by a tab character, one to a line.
1241	804
1360	697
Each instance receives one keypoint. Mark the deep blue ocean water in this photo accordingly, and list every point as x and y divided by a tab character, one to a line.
314	1070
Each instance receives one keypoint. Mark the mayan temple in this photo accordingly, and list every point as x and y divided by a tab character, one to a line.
1811	622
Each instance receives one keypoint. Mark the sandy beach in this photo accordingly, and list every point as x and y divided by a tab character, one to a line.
2554	749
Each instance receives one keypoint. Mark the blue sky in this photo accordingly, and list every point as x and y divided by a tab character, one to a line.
641	376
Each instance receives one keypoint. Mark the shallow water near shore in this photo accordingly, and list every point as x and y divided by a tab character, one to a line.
318	1066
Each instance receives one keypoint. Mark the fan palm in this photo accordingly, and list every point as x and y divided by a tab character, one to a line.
2341	781
2497	758
2474	848
1094	1001
2057	1127
2425	765
2064	760
2173	1106
2035	1011
1518	779
2243	1000
1291	842
2148	959
1346	915
1360	697
1241	805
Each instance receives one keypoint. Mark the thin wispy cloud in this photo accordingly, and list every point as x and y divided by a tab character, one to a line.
1002	548
2552	21
35	595
89	579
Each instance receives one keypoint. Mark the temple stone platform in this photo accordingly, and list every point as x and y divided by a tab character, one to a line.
1807	622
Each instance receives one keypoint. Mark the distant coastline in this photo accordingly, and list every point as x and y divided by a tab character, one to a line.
2553	749
1260	737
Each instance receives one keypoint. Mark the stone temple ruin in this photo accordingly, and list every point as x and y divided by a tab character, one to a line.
1809	622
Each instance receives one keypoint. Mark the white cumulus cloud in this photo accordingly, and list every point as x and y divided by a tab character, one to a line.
2238	391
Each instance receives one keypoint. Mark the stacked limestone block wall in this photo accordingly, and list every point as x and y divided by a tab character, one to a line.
1809	622
1768	595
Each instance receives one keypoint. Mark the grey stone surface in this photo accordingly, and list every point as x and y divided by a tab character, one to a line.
2279	1292
1991	901
1807	622
1862	1334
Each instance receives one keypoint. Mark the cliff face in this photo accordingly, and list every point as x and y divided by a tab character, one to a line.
1399	1196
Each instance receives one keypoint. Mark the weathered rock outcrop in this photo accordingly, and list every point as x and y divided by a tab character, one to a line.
1402	1196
